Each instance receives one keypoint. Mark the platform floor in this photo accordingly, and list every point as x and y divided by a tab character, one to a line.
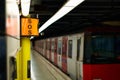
39	70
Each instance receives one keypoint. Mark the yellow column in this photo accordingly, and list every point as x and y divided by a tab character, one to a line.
25	44
19	65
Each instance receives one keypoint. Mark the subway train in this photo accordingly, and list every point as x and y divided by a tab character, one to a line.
9	37
92	54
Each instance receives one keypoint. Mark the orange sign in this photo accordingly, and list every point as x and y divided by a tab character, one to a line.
29	27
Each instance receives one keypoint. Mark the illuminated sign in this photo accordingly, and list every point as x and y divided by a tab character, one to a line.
29	27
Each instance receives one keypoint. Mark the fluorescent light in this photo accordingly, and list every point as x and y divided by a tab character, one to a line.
25	5
31	37
57	16
71	4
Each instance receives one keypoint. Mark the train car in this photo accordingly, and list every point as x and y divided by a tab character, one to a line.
52	49
50	57
49	49
37	46
93	54
75	55
48	46
64	53
101	52
55	51
44	47
59	52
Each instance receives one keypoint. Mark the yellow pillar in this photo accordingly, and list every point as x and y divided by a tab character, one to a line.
19	65
25	44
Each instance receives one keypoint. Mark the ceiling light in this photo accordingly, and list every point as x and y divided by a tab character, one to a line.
25	5
71	4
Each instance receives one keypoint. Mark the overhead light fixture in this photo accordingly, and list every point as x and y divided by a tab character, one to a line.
31	37
25	5
70	5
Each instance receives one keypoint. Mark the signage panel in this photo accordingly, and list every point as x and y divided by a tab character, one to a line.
29	27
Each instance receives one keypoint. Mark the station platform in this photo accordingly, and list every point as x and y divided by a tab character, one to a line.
41	69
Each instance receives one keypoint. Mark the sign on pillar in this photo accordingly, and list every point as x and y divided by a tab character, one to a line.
29	27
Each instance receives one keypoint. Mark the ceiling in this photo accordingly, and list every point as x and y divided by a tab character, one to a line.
88	13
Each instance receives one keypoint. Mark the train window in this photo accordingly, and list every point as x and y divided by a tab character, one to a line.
117	48
59	47
52	47
55	46
70	48
78	48
87	50
42	44
49	45
103	46
102	49
46	46
64	47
